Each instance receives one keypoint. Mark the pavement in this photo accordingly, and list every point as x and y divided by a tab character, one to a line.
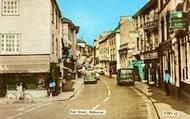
61	97
167	107
64	95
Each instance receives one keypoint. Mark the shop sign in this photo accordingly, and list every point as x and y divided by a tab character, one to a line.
151	56
178	20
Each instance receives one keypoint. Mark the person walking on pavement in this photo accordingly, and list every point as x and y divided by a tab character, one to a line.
167	82
110	73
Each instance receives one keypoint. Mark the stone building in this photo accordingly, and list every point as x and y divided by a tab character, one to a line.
164	42
69	41
96	51
128	41
146	20
102	54
112	48
114	42
173	48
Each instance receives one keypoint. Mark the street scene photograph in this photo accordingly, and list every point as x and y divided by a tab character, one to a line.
94	59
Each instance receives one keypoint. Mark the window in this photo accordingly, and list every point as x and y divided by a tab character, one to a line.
52	13
10	43
162	29
168	24
10	7
161	3
57	47
156	40
52	50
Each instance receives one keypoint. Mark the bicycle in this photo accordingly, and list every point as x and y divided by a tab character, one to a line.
13	98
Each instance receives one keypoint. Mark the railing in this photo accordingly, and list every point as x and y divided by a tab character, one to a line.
151	24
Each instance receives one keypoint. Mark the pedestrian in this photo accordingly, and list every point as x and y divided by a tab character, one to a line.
19	88
167	82
110	73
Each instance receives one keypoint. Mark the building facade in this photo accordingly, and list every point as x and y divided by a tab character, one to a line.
164	42
104	52
69	31
23	47
31	41
128	41
147	24
21	43
114	42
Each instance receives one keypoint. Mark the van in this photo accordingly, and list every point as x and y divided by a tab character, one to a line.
125	76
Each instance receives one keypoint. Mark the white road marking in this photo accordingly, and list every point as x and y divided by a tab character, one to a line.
145	99
39	106
29	110
106	99
108	87
109	92
11	117
21	109
19	114
96	106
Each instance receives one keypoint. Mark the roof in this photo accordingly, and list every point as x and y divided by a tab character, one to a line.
145	7
116	29
55	1
66	20
90	46
80	41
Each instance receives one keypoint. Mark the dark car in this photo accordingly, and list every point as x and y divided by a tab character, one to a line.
125	76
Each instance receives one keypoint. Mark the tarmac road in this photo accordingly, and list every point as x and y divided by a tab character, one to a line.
104	100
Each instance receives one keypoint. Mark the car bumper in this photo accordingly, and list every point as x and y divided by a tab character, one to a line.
90	81
126	82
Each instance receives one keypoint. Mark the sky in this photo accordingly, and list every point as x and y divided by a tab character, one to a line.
96	16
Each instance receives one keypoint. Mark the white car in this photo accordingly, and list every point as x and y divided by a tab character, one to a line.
100	70
97	75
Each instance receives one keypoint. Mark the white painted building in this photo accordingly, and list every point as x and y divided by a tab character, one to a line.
29	35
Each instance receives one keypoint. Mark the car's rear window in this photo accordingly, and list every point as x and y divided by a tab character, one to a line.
126	72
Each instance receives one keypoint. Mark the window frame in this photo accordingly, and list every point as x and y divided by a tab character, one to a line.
10	14
10	40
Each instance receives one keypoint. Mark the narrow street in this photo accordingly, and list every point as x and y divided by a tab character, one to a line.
118	102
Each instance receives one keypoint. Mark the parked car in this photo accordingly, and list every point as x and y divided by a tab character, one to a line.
90	77
97	75
125	76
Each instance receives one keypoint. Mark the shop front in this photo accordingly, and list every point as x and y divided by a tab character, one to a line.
113	66
151	68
